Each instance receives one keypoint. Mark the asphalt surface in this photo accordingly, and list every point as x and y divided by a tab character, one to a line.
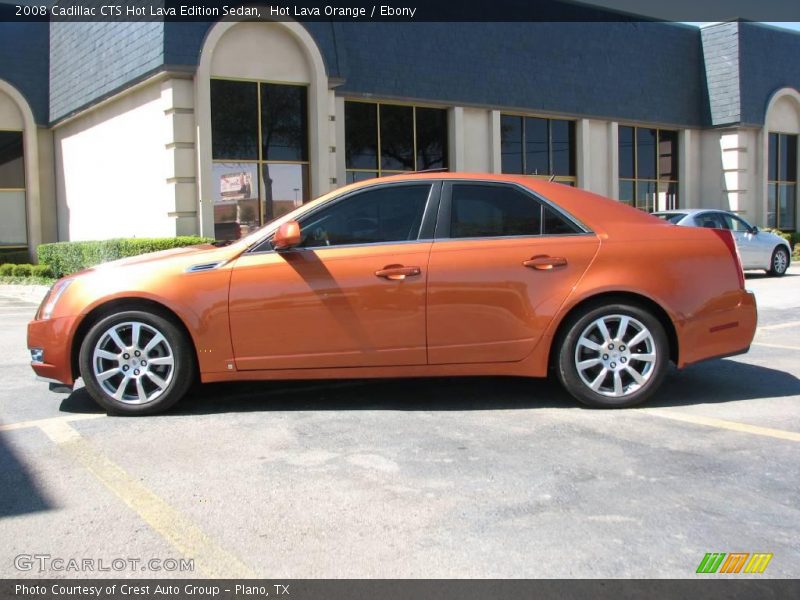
430	478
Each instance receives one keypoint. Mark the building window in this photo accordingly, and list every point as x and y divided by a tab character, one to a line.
539	147
14	224
648	168
259	147
782	181
385	139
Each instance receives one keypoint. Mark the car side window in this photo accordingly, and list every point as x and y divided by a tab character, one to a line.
392	213
555	224
735	224
710	220
493	211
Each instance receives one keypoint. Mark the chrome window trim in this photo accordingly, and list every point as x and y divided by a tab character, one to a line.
512	237
253	249
433	192
584	230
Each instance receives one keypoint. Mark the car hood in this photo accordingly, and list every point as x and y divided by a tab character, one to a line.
181	258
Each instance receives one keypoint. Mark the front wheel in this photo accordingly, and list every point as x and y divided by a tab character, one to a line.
779	262
613	356
136	363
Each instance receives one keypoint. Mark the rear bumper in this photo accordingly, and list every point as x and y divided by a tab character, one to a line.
54	338
725	328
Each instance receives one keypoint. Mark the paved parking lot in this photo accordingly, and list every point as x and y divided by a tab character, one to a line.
430	478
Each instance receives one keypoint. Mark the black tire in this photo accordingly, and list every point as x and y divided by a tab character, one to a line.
161	387
621	359
778	262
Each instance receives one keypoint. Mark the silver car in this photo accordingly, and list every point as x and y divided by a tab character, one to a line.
758	249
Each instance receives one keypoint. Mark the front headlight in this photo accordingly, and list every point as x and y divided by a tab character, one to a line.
52	297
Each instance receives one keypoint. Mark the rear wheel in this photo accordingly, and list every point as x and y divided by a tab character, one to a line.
613	356
136	363
779	262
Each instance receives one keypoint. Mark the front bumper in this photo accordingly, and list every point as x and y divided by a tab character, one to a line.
54	338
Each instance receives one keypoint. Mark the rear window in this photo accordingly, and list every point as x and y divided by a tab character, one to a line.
670	217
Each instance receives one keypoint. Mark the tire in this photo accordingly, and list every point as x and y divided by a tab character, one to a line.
125	383
619	379
779	262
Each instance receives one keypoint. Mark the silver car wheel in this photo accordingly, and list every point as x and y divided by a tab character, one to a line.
615	355
780	261
133	362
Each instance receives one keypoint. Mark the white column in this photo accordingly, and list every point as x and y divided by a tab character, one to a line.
496	161
583	163
455	135
613	160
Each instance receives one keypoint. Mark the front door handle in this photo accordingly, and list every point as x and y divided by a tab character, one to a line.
545	263
397	272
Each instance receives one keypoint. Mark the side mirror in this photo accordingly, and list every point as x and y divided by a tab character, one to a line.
754	230
287	236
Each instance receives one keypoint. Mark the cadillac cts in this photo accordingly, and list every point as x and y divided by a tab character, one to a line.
419	275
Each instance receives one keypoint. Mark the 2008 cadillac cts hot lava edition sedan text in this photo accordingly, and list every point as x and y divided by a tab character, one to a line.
435	274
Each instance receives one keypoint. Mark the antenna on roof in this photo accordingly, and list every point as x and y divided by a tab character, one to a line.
439	170
552	178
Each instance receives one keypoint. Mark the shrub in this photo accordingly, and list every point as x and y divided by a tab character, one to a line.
42	271
22	270
64	258
6	270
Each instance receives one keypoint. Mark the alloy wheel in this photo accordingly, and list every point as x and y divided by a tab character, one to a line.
780	261
615	355
133	362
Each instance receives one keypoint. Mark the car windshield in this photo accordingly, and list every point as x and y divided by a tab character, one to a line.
670	217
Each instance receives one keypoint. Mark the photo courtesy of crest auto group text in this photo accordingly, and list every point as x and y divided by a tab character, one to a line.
335	300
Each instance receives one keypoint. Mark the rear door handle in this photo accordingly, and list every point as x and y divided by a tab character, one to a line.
545	263
397	272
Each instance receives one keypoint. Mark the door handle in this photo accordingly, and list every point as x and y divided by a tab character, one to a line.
545	263
397	272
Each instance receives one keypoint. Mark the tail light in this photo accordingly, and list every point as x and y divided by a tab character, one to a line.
727	237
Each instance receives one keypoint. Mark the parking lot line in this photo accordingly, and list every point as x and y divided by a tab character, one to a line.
780	434
786	325
781	346
210	559
40	422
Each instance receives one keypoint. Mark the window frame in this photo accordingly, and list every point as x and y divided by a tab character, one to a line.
566	179
23	190
425	233
780	183
260	162
657	180
379	171
442	232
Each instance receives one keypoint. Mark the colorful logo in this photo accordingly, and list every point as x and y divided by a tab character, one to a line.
736	562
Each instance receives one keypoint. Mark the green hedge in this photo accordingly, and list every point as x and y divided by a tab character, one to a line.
64	258
24	271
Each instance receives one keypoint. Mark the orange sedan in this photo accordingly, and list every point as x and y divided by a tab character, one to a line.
420	275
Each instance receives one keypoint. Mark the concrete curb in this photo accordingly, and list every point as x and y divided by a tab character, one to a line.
28	293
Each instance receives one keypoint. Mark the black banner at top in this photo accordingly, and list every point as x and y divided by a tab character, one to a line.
399	10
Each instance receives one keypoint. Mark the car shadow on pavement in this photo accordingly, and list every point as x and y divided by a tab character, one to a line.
22	493
711	382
